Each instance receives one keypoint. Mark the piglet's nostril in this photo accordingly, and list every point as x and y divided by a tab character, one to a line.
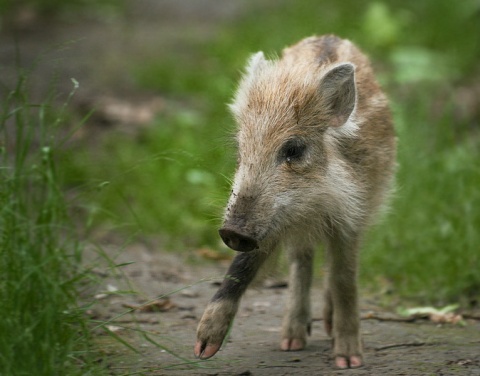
237	241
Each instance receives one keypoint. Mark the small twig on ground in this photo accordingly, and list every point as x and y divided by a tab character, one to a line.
393	345
374	316
471	316
137	321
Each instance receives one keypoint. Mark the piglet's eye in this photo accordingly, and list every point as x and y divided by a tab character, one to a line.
292	151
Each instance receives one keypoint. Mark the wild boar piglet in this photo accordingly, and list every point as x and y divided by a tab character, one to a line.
316	159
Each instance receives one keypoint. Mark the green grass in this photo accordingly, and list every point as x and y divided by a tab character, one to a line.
173	179
43	330
428	244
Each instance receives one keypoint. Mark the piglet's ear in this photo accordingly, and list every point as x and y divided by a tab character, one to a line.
256	63
338	93
253	71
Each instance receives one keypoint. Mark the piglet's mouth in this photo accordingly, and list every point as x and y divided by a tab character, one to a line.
237	241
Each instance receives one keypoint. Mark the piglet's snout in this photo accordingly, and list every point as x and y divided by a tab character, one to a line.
237	241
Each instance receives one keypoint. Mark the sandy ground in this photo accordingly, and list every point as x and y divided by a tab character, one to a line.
391	347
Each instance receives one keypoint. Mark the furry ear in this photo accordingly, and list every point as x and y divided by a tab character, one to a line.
338	93
256	63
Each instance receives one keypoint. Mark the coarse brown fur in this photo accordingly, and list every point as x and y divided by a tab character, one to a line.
316	163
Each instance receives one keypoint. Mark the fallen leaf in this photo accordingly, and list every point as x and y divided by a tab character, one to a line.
189	293
112	288
425	311
261	307
114	328
462	362
211	254
161	305
276	284
188	315
447	318
440	316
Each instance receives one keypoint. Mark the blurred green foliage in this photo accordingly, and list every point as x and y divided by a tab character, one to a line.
172	179
50	7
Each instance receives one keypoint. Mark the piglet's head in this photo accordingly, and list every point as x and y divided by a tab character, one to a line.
288	117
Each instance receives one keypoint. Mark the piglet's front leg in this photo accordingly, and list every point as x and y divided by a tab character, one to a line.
213	327
221	310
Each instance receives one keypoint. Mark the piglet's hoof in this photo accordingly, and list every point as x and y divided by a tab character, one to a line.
292	344
343	362
204	351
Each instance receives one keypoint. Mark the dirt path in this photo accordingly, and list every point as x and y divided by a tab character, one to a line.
392	348
100	50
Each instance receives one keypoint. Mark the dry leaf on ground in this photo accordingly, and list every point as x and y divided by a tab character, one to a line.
160	305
